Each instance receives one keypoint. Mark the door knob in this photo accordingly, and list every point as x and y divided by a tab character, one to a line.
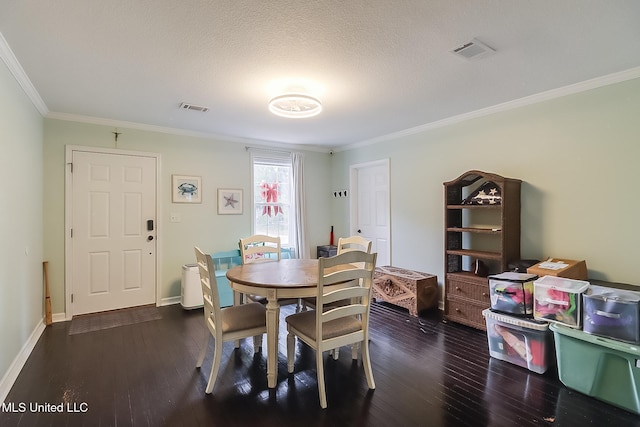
150	238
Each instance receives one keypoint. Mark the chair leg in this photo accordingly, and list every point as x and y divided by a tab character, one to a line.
205	346
320	374
355	347
215	366
291	348
257	343
366	362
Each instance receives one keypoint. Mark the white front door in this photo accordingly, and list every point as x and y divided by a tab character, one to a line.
113	234
370	208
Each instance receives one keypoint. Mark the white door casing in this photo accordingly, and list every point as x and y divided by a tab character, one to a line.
112	260
370	209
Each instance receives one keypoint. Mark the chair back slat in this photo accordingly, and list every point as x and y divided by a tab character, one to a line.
343	311
259	248
353	291
353	243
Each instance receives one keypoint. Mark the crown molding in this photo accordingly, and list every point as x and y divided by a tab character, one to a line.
586	85
183	132
18	73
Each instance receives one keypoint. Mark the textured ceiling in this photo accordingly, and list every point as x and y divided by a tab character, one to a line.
379	67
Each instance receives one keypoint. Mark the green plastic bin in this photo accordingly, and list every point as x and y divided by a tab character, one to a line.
606	369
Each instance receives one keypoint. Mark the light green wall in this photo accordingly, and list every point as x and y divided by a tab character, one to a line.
21	284
220	164
577	156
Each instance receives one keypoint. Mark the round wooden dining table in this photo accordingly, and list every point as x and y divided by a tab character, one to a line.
287	278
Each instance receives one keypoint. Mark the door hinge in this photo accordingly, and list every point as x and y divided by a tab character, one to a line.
72	233
71	164
71	297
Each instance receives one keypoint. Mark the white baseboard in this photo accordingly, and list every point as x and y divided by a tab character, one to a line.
59	317
18	363
170	301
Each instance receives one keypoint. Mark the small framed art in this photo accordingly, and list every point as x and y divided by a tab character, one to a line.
186	189
229	201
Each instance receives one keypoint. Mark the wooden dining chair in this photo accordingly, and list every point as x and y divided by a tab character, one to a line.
225	324
330	326
263	248
345	244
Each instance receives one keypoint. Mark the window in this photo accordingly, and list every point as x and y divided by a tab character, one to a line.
272	198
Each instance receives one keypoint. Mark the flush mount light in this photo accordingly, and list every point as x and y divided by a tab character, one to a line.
296	106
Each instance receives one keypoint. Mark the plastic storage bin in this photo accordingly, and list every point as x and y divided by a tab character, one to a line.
523	342
599	367
612	313
558	299
512	293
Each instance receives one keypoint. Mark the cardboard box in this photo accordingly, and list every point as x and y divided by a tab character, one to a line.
560	267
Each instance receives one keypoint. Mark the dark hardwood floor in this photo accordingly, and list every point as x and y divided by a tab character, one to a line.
427	373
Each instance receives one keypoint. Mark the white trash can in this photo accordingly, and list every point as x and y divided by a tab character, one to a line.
191	290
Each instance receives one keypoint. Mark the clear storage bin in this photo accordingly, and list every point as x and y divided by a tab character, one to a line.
523	342
512	293
558	299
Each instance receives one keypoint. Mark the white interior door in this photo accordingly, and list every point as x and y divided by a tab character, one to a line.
370	208
113	231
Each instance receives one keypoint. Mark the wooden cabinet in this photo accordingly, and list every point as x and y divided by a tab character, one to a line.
486	230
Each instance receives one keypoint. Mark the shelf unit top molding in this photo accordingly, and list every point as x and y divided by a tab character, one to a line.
473	176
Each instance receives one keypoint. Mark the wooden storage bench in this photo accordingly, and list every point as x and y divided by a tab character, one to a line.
410	289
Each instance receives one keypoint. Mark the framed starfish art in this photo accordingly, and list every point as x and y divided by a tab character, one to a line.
229	201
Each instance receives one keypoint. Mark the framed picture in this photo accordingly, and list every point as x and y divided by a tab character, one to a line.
229	201
186	189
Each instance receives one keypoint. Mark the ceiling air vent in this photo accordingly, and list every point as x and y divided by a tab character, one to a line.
200	108
474	49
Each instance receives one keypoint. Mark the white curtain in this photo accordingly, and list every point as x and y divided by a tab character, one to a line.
299	208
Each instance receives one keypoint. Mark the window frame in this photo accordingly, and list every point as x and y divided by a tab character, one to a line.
274	159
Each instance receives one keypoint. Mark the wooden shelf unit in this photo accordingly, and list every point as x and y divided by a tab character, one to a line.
466	294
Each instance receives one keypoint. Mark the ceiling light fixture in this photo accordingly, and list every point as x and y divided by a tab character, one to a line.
296	106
